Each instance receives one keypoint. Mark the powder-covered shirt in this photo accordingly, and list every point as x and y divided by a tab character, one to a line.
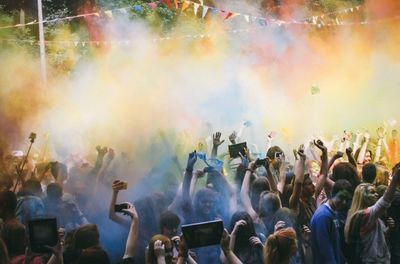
372	234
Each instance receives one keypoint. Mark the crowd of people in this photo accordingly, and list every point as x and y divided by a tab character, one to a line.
337	202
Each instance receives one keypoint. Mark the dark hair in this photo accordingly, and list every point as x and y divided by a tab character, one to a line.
32	187
54	191
86	236
342	185
269	203
94	255
14	236
169	220
259	185
244	234
59	169
369	172
272	150
6	182
3	252
346	171
8	202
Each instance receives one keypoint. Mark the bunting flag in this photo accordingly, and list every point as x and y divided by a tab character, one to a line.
108	13
167	3
185	5
318	20
153	5
205	9
195	8
228	15
138	9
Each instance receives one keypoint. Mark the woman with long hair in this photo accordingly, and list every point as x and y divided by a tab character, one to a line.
364	230
244	241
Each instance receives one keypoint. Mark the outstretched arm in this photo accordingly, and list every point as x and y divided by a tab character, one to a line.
244	192
229	255
216	143
299	178
361	155
323	174
116	186
133	232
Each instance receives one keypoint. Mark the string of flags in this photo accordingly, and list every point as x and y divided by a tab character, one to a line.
124	42
318	20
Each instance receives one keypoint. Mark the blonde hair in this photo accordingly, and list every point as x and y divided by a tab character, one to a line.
358	204
382	176
280	246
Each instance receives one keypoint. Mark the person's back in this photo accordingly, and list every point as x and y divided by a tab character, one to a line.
29	203
325	235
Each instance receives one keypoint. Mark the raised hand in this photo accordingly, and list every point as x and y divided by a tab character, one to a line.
192	158
301	153
217	139
118	185
159	248
319	144
381	132
225	241
279	225
111	154
232	137
131	211
239	224
255	241
101	151
349	151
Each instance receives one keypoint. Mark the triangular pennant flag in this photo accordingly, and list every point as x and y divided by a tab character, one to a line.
153	5
228	15
222	13
108	13
76	43
83	44
357	7
351	10
176	4
167	3
205	9
246	17
201	2
195	8
138	9
262	21
337	21
122	11
185	5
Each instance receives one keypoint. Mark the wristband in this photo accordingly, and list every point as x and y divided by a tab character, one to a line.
252	171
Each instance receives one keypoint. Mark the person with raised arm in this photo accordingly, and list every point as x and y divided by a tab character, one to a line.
364	228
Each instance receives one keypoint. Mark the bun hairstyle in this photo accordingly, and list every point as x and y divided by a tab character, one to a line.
280	246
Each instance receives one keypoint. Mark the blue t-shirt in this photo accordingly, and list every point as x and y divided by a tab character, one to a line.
325	236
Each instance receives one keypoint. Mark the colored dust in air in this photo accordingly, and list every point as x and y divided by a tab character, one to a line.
175	90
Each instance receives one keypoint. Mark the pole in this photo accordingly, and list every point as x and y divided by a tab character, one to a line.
43	70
